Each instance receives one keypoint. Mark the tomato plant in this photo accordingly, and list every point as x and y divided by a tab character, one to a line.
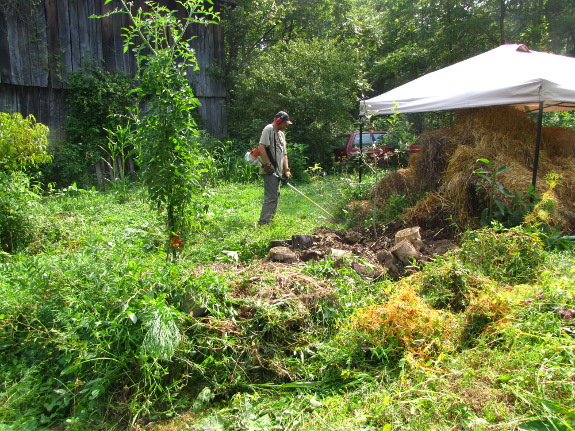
173	165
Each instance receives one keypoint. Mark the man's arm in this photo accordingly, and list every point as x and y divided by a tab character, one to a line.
262	149
268	168
287	170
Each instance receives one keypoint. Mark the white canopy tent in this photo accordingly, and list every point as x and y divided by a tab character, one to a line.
508	75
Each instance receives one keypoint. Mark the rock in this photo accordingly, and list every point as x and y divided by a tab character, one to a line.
282	254
336	253
388	261
312	255
280	243
405	252
302	242
411	234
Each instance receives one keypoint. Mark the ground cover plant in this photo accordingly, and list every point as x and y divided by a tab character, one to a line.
100	331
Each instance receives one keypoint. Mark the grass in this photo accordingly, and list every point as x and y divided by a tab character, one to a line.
233	215
99	331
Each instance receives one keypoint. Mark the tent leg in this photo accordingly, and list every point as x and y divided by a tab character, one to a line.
360	148
537	145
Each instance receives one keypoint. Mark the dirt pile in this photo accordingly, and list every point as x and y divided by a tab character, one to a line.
391	250
444	169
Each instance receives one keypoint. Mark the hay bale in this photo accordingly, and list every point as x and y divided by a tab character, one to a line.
431	212
446	163
437	146
401	181
497	132
558	142
495	121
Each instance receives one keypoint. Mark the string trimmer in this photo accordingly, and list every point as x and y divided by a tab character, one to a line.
286	182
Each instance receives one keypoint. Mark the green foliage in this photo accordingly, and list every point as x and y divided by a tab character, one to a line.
508	255
23	142
97	101
565	119
89	344
118	150
395	205
497	210
228	159
446	285
23	145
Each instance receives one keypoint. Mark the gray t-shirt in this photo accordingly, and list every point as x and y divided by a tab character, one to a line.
276	142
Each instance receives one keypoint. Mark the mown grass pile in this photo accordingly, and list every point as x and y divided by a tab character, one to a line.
99	331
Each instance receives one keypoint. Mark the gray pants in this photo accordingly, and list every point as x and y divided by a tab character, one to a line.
271	199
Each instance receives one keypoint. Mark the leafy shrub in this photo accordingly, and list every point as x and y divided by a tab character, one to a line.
508	255
228	158
16	200
174	168
96	101
23	145
508	215
395	205
23	142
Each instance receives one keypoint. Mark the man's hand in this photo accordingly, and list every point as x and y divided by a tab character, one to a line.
268	169
288	173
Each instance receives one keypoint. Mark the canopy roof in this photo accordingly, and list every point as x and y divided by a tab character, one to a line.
507	75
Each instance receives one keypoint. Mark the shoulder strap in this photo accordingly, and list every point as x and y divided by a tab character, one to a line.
269	153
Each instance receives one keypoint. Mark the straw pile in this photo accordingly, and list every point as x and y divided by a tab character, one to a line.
503	135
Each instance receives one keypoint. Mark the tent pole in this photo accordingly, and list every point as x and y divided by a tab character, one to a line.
537	145
360	147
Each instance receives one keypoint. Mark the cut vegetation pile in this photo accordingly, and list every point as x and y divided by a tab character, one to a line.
504	136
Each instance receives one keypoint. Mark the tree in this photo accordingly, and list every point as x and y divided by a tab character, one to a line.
288	55
316	81
172	164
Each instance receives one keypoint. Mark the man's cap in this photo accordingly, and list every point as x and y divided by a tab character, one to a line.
284	116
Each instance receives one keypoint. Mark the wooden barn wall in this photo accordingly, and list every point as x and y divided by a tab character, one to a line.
38	53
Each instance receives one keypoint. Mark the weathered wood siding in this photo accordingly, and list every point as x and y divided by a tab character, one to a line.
40	50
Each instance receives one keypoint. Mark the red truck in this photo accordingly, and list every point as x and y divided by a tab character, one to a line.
377	147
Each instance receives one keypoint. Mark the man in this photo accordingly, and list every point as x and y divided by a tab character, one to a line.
273	153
